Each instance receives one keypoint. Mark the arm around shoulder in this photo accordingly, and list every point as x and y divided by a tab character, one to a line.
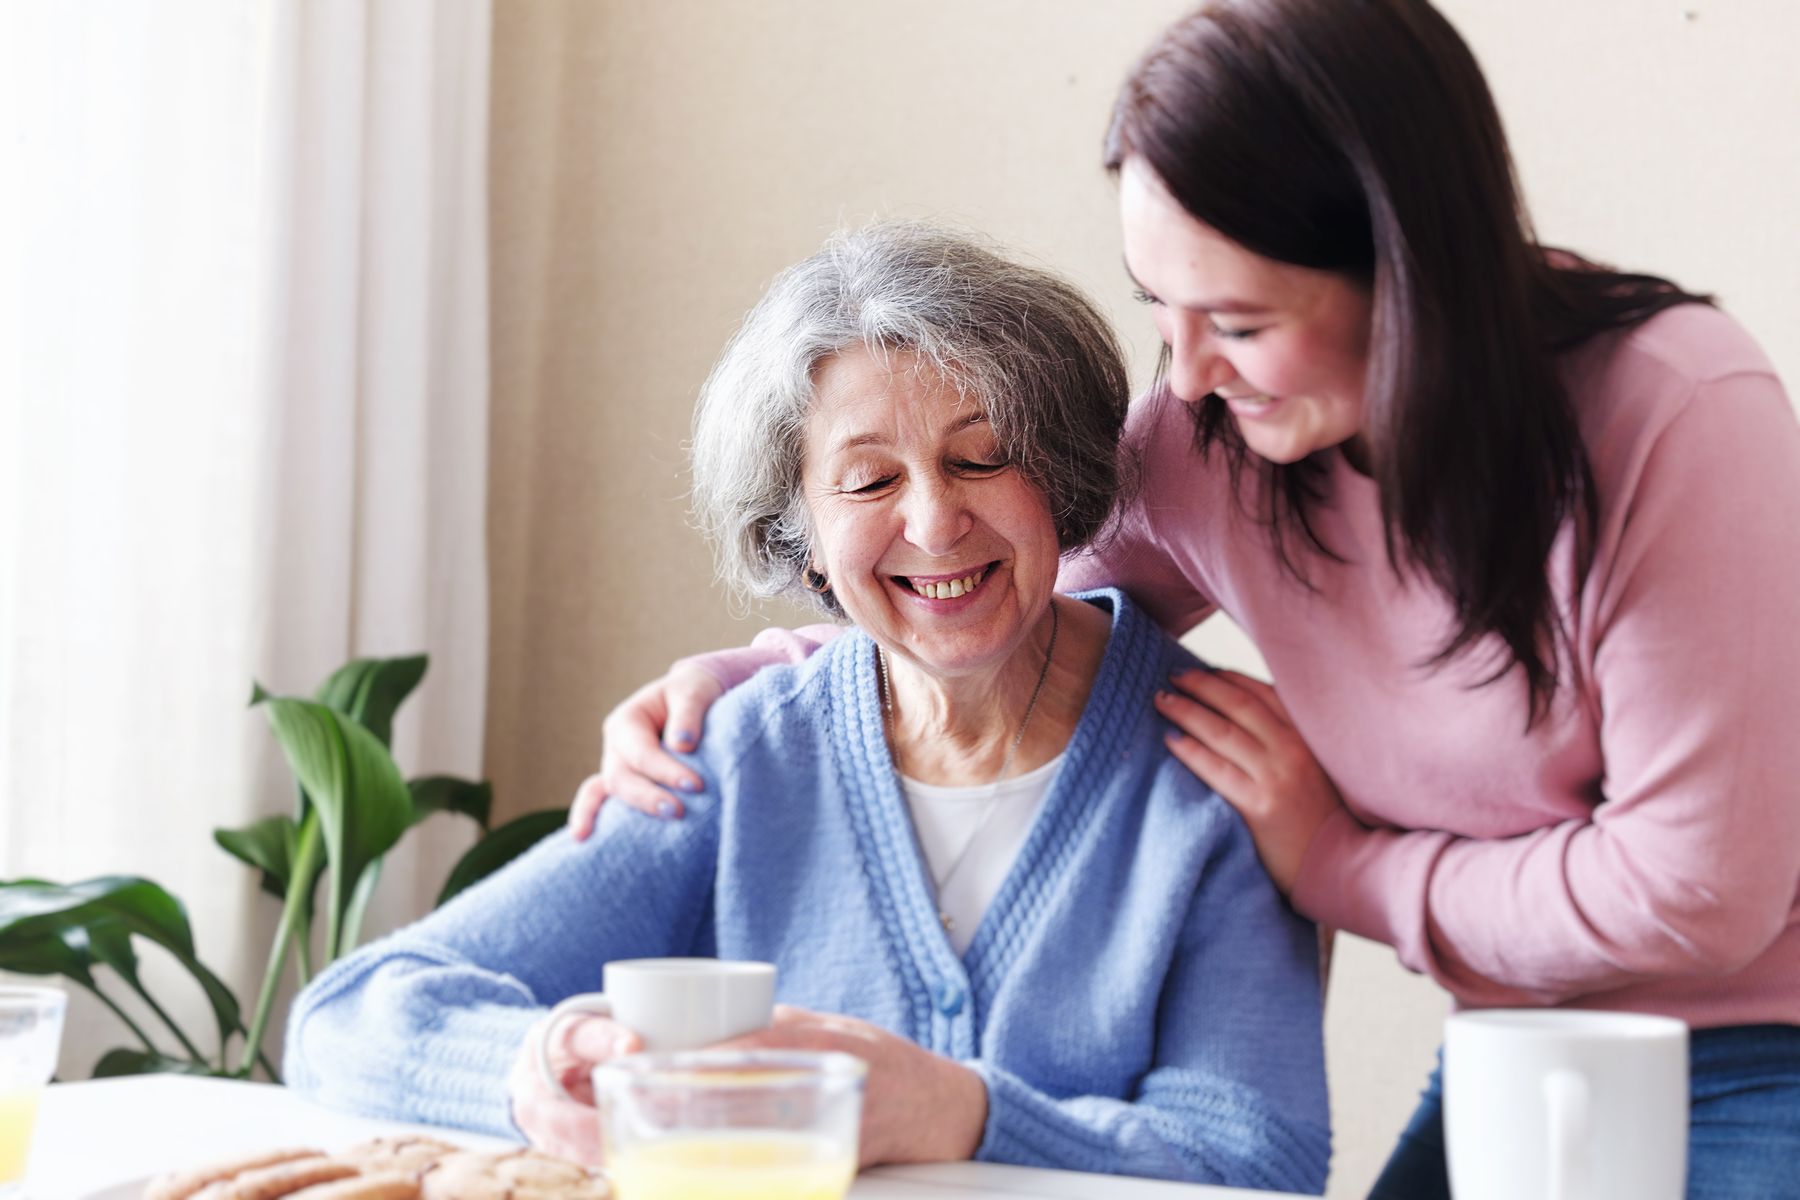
770	647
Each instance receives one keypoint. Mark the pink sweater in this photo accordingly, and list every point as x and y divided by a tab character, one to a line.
1637	849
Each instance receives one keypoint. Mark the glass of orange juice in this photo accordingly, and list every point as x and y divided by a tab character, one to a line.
30	1031
731	1125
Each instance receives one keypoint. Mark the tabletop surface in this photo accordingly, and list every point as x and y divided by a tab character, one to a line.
93	1137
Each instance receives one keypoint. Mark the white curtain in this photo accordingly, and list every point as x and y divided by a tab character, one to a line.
243	425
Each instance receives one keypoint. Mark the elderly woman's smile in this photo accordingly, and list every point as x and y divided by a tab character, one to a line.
942	589
929	539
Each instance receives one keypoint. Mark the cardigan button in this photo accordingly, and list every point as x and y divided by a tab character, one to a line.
950	999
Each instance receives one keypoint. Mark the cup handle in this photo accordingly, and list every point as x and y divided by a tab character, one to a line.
1566	1102
596	1004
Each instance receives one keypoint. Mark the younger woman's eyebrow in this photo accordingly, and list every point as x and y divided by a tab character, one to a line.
1224	304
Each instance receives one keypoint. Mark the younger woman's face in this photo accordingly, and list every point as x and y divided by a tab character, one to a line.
1285	347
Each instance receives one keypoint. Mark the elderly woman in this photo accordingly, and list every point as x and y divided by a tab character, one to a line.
957	830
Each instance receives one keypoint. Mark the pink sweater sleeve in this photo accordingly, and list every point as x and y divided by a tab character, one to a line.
1689	862
773	645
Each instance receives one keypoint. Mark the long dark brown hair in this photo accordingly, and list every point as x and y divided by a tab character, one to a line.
1358	136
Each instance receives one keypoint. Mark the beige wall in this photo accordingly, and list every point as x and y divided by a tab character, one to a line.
656	161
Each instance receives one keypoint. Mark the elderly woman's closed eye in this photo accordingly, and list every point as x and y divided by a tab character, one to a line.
955	830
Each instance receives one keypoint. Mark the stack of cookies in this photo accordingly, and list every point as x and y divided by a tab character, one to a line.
415	1168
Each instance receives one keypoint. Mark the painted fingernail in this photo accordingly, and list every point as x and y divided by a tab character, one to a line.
665	808
682	738
690	785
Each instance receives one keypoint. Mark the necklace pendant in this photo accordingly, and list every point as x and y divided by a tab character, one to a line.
949	925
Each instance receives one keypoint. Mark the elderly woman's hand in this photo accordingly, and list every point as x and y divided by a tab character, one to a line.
917	1106
1238	737
634	766
549	1120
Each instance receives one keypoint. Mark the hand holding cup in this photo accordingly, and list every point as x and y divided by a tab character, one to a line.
659	1004
551	1085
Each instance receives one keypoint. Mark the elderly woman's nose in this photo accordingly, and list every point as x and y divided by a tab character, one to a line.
936	517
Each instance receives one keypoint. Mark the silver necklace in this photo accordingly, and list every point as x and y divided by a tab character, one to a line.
993	797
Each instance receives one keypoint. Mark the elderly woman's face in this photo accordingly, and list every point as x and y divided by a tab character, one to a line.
932	542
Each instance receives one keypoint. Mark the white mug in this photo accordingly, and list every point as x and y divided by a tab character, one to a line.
671	1003
1566	1105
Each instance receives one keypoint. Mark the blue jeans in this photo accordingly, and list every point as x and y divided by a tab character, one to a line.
1743	1129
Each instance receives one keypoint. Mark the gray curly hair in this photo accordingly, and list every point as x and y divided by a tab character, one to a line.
1024	345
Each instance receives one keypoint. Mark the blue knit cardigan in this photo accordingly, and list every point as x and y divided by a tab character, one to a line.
1138	998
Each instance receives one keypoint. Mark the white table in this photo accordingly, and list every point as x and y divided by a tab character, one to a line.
93	1136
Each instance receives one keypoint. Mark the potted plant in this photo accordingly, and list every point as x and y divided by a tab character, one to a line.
353	806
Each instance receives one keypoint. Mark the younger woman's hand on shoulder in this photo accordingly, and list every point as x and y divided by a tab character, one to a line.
636	765
1237	736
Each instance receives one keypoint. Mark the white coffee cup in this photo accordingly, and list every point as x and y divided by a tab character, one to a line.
671	1003
1566	1105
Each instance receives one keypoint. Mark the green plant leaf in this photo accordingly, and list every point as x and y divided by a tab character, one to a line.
272	846
501	847
431	794
127	1061
62	952
108	940
71	953
355	788
32	906
368	690
36	905
446	793
309	858
359	903
268	845
100	908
